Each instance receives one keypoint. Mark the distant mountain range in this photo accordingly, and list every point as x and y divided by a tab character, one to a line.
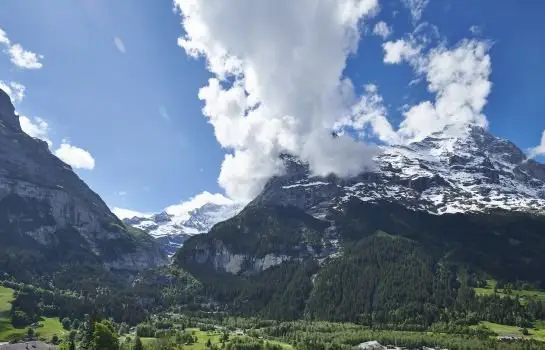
171	231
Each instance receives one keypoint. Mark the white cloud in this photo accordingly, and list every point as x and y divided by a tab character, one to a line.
459	79
476	30
74	156
15	90
4	37
37	128
416	7
182	210
370	110
538	150
400	50
129	214
19	56
23	58
119	44
382	29
122	193
285	92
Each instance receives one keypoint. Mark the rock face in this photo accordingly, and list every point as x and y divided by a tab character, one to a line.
456	171
47	209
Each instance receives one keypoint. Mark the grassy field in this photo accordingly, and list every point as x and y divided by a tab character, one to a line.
536	333
489	290
49	326
202	338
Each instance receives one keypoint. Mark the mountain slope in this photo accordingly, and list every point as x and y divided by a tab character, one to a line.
50	218
457	208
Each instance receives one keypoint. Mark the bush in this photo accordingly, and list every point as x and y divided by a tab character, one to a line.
66	323
20	319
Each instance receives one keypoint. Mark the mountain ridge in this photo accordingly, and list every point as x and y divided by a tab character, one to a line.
470	171
48	214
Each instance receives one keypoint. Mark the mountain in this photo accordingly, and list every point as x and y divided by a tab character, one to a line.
458	170
452	210
51	222
172	230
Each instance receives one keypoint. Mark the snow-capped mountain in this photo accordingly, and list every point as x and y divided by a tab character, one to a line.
171	230
456	170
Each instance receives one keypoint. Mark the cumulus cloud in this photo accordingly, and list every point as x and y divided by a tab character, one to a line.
369	110
4	37
459	78
538	150
416	7
119	44
278	84
74	156
19	56
122	213
23	58
400	50
37	128
15	90
382	29
182	210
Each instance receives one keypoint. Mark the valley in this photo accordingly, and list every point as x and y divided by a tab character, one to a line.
441	245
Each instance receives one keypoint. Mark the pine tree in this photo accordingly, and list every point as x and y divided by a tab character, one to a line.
138	344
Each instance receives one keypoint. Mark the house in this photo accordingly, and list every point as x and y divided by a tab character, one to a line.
34	345
509	337
371	345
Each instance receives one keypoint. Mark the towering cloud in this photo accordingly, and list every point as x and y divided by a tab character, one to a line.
278	84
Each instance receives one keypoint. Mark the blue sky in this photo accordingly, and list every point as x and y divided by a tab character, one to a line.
132	102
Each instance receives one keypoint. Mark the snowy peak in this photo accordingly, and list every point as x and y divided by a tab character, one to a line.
456	170
171	230
204	218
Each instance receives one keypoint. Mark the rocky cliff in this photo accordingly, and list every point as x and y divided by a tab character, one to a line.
50	217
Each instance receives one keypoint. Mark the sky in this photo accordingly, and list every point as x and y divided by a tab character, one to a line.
172	104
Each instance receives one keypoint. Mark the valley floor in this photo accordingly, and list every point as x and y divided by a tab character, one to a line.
48	326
